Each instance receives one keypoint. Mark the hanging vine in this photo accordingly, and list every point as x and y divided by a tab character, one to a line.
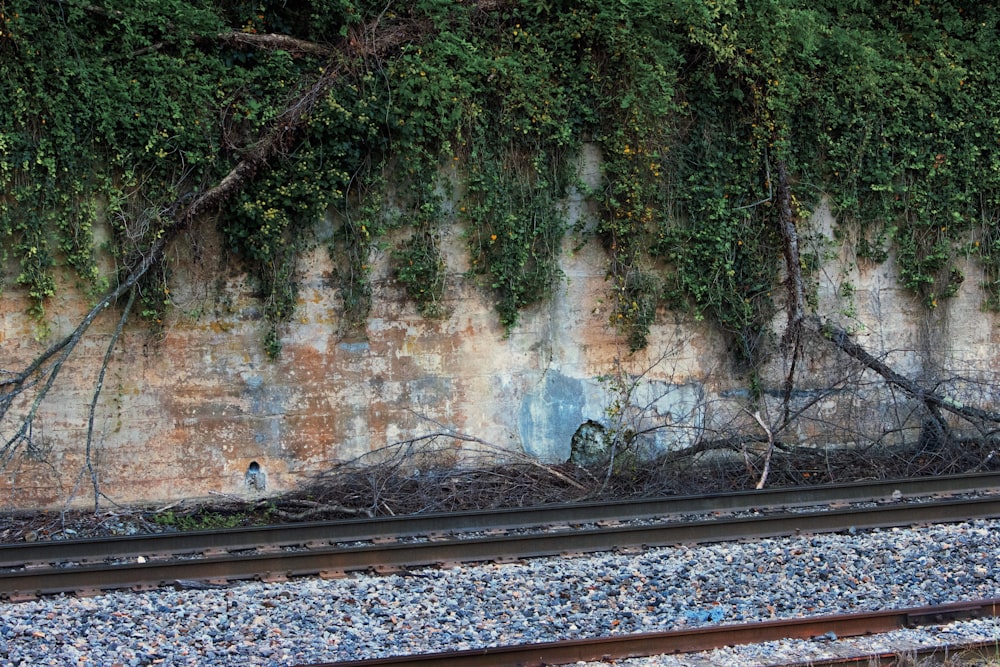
122	115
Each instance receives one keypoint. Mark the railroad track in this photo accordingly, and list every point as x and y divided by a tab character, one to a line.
618	647
332	549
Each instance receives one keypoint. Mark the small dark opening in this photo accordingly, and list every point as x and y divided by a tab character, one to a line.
255	478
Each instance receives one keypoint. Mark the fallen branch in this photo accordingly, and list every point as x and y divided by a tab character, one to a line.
792	338
315	510
530	460
274	41
730	444
767	455
934	401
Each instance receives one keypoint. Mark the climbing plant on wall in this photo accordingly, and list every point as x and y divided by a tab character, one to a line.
383	116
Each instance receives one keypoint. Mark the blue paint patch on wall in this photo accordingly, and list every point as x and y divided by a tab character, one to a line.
550	415
430	391
268	405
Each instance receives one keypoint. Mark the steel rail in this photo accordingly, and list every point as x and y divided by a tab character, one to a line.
920	656
354	530
616	647
334	561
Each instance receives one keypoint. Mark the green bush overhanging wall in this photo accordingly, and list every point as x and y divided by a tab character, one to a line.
127	110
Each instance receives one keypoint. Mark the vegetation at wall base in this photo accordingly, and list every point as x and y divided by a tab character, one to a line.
390	487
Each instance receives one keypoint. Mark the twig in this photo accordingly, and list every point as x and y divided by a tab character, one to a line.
97	392
523	457
770	449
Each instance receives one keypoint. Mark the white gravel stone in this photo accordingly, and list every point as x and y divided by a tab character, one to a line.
362	616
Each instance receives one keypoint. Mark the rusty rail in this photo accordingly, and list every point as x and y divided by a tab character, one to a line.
335	561
687	641
357	530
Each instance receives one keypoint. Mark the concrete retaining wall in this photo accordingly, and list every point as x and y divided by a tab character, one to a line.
200	409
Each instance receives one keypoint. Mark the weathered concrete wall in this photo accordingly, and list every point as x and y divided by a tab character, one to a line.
187	413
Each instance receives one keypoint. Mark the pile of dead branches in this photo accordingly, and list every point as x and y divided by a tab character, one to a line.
411	480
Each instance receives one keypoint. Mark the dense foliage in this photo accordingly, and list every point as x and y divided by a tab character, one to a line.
123	111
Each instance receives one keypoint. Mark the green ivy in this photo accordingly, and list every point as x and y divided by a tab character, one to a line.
907	144
88	120
421	269
888	110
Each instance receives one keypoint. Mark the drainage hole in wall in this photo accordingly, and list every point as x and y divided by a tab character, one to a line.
255	478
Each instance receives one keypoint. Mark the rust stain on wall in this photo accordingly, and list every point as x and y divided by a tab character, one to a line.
188	413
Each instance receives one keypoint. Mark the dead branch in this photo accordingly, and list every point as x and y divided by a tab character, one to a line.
152	48
770	450
730	444
930	398
794	285
97	393
793	266
455	435
314	509
274	41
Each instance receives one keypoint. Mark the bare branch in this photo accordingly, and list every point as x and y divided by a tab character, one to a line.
793	266
770	450
315	509
97	393
794	285
930	398
455	435
274	41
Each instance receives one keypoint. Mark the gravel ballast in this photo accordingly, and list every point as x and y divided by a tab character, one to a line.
472	606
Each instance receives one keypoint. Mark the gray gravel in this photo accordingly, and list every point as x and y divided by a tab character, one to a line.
363	616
